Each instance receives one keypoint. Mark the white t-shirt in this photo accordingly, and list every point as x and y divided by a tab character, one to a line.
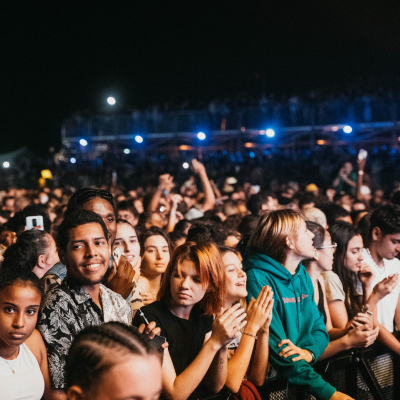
387	306
26	383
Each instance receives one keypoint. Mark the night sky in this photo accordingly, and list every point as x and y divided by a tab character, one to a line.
61	56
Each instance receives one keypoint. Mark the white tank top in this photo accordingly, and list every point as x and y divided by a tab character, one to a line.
27	383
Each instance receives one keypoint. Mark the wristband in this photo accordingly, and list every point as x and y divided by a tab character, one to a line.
249	334
360	172
313	359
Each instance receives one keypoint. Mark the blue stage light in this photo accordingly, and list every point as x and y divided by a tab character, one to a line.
72	160
127	151
347	129
83	142
270	132
138	139
201	135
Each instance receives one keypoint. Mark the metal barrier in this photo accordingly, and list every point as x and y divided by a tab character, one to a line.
335	111
367	374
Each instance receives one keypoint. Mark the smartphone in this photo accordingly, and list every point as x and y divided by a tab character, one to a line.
155	343
116	254
362	154
32	222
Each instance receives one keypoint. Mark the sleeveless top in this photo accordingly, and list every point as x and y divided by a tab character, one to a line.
27	383
321	307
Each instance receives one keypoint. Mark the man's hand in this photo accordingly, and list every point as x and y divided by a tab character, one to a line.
198	167
166	182
290	349
120	279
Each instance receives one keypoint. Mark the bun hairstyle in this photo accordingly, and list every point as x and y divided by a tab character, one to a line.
96	349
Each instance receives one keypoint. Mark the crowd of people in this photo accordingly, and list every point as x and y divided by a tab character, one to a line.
192	288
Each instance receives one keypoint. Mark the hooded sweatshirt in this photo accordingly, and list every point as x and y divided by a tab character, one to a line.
295	316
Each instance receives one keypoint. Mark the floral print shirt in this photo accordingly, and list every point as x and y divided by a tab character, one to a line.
64	313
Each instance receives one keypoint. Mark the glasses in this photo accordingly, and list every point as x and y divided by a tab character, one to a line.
92	193
333	246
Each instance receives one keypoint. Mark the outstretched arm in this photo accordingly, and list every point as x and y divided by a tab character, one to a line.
209	197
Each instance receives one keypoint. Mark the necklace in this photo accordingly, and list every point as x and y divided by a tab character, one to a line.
380	270
12	364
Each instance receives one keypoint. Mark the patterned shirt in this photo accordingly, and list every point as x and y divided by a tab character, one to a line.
62	317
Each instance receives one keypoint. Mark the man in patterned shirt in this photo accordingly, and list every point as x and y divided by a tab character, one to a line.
81	300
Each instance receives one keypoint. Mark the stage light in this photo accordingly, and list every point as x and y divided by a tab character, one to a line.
127	151
72	160
201	135
6	164
83	142
111	101
347	129
270	132
138	139
185	165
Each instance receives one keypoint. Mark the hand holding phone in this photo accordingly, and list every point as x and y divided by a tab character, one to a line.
34	222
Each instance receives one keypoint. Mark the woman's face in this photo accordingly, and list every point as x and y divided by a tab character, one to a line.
354	257
186	287
302	244
235	277
135	377
19	307
156	256
126	239
325	256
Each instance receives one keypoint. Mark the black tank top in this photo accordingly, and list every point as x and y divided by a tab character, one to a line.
321	307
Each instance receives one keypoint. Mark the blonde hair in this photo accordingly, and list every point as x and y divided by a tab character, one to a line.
272	231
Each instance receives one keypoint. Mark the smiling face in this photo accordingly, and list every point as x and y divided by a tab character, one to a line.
235	278
19	307
155	257
127	240
186	287
105	210
87	255
302	244
354	257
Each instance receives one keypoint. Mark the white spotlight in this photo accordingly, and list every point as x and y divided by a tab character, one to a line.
127	151
185	165
201	135
138	139
111	101
72	160
83	142
270	132
347	129
6	164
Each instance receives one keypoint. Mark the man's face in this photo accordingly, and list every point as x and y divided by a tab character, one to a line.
104	209
387	246
87	254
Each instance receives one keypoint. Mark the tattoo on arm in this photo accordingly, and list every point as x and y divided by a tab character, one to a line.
221	363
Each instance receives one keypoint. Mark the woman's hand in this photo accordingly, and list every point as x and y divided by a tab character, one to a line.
363	321
259	312
366	275
291	349
152	330
385	286
358	337
227	325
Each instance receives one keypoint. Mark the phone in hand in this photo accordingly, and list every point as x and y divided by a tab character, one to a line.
362	154
116	254
34	221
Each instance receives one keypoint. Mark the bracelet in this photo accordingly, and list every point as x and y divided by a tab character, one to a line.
249	334
360	172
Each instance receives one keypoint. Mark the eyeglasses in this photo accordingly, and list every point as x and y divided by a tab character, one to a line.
92	193
333	245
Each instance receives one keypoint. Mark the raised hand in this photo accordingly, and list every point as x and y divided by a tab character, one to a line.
228	324
166	182
366	274
259	311
120	278
385	286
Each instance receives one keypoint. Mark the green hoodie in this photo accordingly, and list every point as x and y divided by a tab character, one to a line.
295	316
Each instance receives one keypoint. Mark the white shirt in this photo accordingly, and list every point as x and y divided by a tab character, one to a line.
27	383
386	308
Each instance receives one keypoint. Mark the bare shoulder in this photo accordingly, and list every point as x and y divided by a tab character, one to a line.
36	345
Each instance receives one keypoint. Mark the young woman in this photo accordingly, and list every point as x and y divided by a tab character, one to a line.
23	358
340	339
348	286
250	349
112	361
155	249
127	240
192	291
276	250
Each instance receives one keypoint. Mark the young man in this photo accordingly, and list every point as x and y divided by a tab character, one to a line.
81	300
383	247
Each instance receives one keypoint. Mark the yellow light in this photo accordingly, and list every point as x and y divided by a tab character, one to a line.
249	144
46	174
335	128
321	142
184	147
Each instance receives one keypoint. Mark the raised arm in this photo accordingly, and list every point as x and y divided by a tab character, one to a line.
224	329
165	185
209	197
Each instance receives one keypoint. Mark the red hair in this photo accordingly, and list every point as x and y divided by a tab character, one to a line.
208	261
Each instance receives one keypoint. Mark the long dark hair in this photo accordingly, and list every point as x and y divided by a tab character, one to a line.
342	233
